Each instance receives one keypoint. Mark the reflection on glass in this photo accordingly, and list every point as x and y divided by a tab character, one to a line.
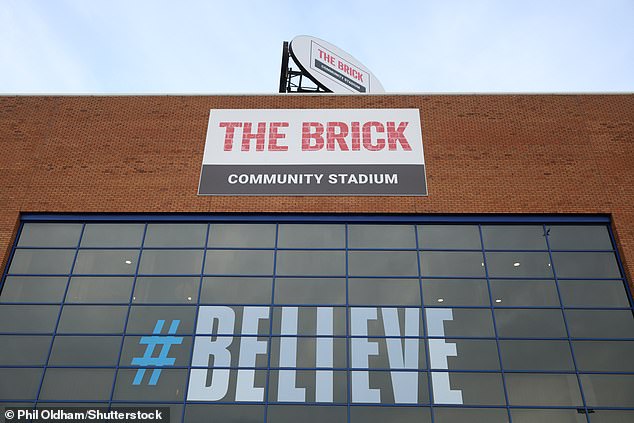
239	235
92	319
548	415
522	292
383	291
85	351
99	290
530	323
381	236
369	414
579	237
608	293
536	355
25	289
175	235
77	384
171	262
456	292
382	263
543	389
608	390
310	291
239	262
311	236
36	234
20	350
600	323
471	415
106	262
514	237
28	318
437	263
42	262
228	290
586	265
112	235
604	356
311	263
307	414
519	265
19	384
177	289
205	413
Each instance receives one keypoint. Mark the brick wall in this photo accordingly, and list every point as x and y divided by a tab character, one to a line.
484	153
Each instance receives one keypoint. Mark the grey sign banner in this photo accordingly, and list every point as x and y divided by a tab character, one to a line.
269	180
330	71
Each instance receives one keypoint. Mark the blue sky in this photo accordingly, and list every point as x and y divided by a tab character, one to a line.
214	47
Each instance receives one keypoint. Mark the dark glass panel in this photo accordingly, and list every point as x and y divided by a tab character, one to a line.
536	355
579	237
311	236
28	318
226	413
476	388
238	235
174	289
612	416
473	354
106	262
608	390
543	389
239	262
383	291
170	385
112	235
133	347
143	319
600	323
515	237
227	290
24	289
175	235
452	237
310	291
381	236
382	263
471	415
306	414
85	351
368	414
171	262
530	323
593	293
466	322
50	234
310	263
604	356
20	350
77	384
42	262
586	265
519	265
19	384
520	292
92	319
456	292
548	416
99	290
437	263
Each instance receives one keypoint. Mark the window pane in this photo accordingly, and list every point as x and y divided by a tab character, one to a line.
19	384
361	414
171	262
175	235
142	319
241	235
226	290
24	350
612	416
381	236
92	319
384	291
471	415
85	351
593	293
456	292
104	262
166	289
307	321
536	355
519	265
171	385
235	343
543	389
311	263
112	235
579	237
382	360
548	416
458	237
28	318
435	263
77	384
232	262
307	379
604	356
311	236
509	292
50	235
600	323
306	352
608	390
310	291
586	265
517	237
465	322
33	289
472	355
134	348
307	414
392	389
530	323
41	262
477	388
381	321
99	290
382	263
199	413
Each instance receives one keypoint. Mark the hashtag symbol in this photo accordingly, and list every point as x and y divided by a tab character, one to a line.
162	360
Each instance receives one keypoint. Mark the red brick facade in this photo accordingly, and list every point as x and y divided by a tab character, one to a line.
485	154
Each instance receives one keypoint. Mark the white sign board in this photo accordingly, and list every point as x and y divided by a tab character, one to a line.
313	152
